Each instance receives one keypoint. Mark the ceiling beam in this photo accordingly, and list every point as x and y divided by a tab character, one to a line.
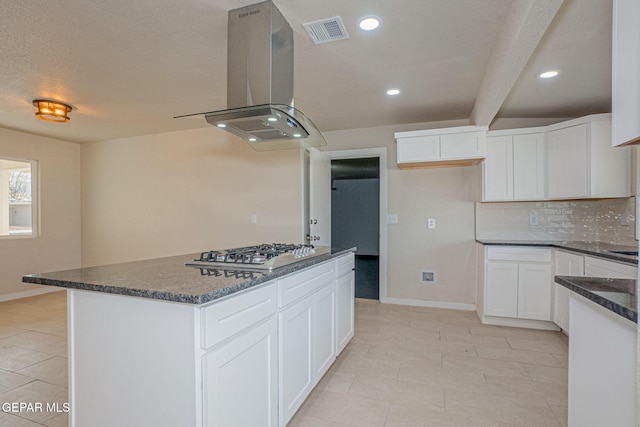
526	23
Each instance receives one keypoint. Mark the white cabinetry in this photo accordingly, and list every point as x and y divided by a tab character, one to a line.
581	162
345	291
459	146
566	264
240	372
597	267
514	168
625	99
249	359
307	337
517	285
602	367
568	160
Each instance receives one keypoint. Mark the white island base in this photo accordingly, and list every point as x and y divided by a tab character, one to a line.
249	359
602	366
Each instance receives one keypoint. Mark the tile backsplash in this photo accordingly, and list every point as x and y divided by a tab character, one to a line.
605	220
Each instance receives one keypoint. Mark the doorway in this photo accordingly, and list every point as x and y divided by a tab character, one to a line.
355	218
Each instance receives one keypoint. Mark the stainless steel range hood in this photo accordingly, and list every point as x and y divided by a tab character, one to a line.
260	83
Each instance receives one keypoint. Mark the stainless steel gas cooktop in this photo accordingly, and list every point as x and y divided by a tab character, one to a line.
259	257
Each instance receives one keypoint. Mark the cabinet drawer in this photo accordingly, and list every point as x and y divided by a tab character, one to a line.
345	264
230	316
596	267
306	281
518	253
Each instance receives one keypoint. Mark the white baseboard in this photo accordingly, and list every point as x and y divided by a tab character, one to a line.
30	293
431	304
519	323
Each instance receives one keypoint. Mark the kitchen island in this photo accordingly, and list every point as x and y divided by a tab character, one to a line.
157	343
602	351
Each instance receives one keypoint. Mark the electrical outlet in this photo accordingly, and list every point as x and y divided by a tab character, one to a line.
392	219
431	223
428	276
533	218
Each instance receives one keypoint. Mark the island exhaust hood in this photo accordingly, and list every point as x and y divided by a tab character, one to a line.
260	83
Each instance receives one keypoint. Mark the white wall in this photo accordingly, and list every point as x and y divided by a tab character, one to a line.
184	192
57	247
448	195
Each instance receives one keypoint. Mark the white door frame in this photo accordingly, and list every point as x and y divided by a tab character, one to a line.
381	153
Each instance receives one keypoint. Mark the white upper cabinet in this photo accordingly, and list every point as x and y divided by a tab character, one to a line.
458	146
625	94
581	162
568	160
514	168
567	150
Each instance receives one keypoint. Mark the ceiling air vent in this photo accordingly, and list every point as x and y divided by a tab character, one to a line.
326	30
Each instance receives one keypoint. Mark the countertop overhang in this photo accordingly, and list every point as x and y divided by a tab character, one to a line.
168	279
617	295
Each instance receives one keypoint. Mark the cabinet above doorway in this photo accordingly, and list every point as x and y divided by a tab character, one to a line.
456	146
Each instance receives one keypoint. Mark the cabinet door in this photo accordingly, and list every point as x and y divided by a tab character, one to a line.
567	264
534	291
418	149
528	167
462	145
567	162
296	367
324	329
497	169
345	300
502	289
625	94
243	374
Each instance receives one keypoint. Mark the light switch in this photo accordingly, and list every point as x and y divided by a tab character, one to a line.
254	219
392	219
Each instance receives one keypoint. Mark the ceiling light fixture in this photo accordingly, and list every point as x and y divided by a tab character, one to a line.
548	74
393	92
369	23
51	111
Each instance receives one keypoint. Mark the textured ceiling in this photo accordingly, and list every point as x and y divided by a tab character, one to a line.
128	67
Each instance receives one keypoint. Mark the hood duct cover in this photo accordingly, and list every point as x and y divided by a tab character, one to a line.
260	83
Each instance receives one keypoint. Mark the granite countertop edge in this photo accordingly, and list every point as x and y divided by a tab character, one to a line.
588	248
173	296
587	286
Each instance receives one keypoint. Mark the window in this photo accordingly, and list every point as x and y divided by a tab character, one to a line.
18	201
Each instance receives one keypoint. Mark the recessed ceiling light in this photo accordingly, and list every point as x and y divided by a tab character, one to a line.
252	139
369	23
548	74
272	119
393	91
221	125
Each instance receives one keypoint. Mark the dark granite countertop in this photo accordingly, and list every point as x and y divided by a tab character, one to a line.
617	295
169	279
598	249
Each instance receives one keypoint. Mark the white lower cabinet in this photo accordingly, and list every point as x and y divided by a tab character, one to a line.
243	372
345	291
566	264
597	267
324	329
296	356
517	285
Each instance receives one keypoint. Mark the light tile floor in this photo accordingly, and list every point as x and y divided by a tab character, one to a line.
33	360
414	367
405	367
